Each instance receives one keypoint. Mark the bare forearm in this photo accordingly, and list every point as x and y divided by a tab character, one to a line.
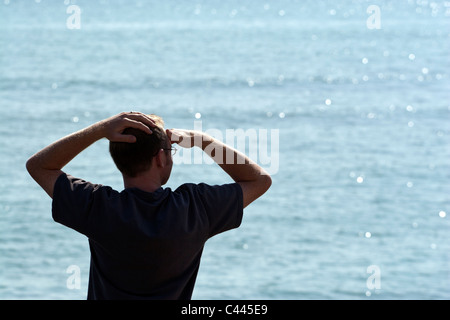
45	166
236	164
58	154
253	179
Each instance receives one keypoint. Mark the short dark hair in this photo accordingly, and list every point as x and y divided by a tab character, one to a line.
134	158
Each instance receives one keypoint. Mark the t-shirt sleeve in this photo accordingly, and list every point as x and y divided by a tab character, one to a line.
73	202
223	205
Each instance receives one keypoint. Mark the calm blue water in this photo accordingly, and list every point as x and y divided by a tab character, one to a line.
363	175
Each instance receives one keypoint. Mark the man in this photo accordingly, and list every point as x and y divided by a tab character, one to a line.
145	241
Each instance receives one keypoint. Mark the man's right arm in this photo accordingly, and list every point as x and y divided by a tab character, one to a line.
253	179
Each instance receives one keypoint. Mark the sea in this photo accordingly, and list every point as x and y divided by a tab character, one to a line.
345	103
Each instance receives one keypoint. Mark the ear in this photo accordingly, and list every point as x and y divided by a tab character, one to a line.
160	160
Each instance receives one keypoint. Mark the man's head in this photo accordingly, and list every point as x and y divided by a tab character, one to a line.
133	159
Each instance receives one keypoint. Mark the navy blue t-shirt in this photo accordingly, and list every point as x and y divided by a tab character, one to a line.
145	245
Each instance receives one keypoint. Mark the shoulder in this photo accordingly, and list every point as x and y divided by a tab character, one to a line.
202	187
67	183
80	204
221	205
210	193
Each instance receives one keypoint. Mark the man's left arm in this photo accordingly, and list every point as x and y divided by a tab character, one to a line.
45	166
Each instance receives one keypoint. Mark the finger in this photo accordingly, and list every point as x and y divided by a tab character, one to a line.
129	123
169	134
172	135
181	138
139	116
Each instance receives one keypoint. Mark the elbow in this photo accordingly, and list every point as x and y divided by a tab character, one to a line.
269	182
266	182
254	189
30	165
